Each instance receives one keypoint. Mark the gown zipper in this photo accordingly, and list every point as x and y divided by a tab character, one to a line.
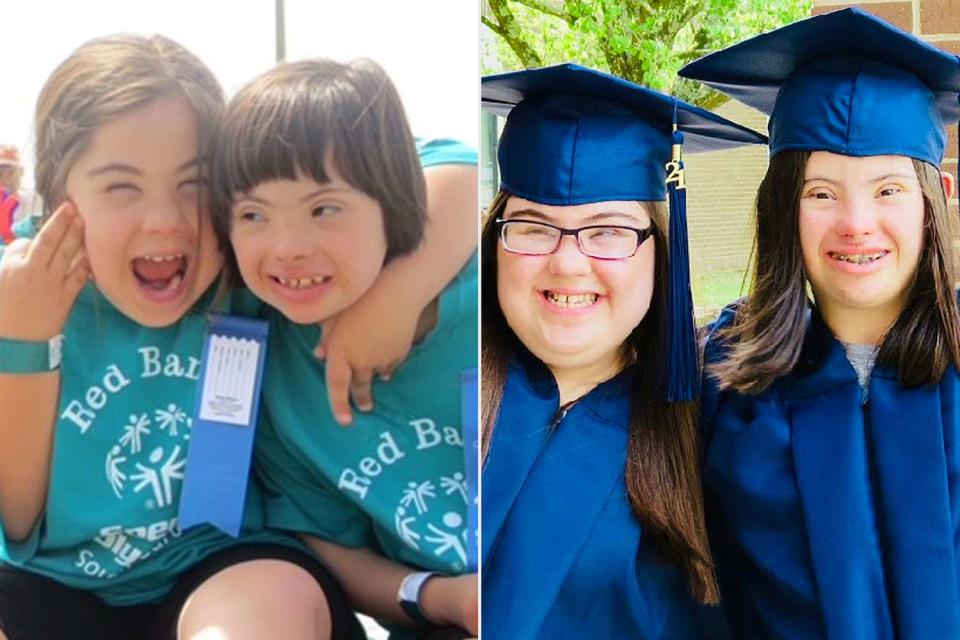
561	413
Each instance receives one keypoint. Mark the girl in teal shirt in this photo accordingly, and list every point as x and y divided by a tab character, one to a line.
98	382
318	184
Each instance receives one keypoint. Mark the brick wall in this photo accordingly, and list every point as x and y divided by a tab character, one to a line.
900	13
721	190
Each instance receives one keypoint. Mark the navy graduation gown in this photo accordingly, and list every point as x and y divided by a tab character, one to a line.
830	518
563	554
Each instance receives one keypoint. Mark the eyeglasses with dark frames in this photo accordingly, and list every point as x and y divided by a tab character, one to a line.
599	241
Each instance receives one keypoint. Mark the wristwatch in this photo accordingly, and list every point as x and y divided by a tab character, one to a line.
408	596
30	356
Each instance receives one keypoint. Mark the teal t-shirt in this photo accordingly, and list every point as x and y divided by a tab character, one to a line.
119	456
441	151
394	480
26	227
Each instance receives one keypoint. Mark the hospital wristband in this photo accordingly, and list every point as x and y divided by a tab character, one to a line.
30	356
408	596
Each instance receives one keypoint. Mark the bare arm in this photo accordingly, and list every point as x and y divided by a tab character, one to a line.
450	237
39	282
26	440
376	333
372	581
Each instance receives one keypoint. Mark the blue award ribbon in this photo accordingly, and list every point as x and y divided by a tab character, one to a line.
225	417
471	458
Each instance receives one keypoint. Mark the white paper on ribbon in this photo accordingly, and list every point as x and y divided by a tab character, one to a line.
230	380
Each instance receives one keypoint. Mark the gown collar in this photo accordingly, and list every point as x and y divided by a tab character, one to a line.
545	484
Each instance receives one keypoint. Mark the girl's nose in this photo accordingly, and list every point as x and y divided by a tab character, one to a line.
568	259
856	217
166	215
292	243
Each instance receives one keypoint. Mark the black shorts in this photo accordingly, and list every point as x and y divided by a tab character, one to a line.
444	633
33	607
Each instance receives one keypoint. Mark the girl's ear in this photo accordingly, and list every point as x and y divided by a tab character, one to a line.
949	184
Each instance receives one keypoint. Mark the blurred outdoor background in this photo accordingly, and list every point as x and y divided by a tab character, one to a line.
429	48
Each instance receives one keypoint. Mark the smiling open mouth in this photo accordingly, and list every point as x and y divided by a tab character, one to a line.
160	273
571	301
858	258
301	283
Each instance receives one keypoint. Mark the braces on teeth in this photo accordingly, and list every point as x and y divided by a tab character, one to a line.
859	258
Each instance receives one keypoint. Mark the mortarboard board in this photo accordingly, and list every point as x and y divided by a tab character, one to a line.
575	135
845	82
597	137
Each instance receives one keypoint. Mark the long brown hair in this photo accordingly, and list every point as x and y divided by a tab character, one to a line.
767	335
662	474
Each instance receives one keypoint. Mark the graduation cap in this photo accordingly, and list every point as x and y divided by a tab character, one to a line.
845	82
575	135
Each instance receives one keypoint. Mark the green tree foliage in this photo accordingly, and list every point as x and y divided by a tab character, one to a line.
645	41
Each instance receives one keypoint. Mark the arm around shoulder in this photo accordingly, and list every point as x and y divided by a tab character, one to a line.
376	333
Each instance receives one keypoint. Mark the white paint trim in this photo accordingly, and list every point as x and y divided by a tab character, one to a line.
942	37
916	17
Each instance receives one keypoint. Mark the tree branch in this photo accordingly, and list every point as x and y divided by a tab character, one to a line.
692	10
713	100
544	7
506	28
688	55
671	29
641	9
493	26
